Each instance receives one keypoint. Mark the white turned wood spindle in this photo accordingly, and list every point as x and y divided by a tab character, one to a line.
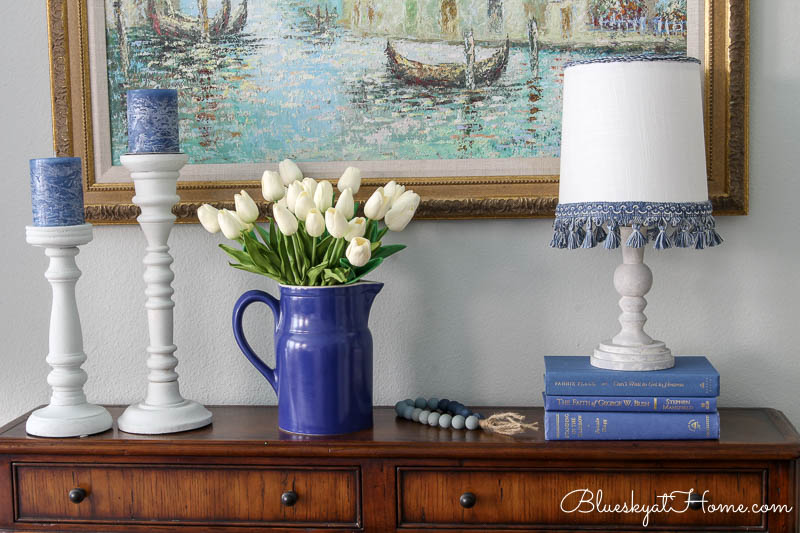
68	414
632	348
163	410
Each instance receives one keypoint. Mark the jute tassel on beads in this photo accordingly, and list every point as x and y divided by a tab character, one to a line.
507	424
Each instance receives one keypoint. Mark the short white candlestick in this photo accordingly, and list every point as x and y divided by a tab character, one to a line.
164	410
69	414
632	348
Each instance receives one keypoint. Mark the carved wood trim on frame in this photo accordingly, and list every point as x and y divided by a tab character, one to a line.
726	61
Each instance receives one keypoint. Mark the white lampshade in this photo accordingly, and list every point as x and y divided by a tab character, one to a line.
633	153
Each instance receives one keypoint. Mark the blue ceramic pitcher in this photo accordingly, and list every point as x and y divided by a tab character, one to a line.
323	356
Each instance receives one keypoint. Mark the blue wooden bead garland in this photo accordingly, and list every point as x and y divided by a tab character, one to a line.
447	414
435	412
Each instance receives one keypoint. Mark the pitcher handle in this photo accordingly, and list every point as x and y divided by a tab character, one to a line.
238	313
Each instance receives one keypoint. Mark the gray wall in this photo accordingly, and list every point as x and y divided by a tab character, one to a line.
468	310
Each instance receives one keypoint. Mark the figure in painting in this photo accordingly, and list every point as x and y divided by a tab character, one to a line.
411	17
356	18
566	22
449	17
495	13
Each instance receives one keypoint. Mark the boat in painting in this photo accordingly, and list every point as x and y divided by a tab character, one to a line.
484	72
238	19
168	21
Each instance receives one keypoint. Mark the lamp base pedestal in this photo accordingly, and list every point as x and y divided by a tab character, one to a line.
654	356
632	349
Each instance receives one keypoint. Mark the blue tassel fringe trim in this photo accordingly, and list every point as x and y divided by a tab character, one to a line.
583	225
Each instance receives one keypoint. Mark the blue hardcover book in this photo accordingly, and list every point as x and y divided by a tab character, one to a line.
692	376
588	425
650	404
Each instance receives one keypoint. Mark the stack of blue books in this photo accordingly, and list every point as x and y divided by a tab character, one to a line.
586	403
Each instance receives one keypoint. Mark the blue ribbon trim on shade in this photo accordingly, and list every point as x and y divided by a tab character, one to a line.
581	225
632	59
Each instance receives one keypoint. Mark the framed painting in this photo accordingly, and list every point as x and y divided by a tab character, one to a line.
459	99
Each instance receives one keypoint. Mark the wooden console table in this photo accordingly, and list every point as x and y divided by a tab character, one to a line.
241	474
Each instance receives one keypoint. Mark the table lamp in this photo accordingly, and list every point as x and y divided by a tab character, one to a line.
633	171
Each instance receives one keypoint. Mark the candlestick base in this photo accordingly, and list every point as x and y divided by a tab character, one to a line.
68	421
147	419
69	414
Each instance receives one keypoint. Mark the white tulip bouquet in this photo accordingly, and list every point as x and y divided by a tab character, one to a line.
311	240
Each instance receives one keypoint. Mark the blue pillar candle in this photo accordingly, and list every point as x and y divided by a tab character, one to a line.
153	121
57	191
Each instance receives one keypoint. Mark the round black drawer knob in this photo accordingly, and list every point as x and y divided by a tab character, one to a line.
289	498
77	495
467	500
695	501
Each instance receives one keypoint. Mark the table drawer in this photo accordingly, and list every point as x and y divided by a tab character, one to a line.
527	497
223	495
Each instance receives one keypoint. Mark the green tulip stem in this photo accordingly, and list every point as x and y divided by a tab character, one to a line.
297	245
313	251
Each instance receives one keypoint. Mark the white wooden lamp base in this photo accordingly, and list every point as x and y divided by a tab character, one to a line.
164	410
69	414
632	349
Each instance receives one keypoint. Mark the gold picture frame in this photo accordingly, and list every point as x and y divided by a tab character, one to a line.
726	63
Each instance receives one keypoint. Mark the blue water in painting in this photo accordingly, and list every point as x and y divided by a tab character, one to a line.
285	89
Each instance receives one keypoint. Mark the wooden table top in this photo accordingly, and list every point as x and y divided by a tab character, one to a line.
253	430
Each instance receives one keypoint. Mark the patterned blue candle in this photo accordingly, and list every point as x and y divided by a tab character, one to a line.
153	121
57	191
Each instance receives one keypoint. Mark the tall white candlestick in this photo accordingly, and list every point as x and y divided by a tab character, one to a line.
163	410
69	414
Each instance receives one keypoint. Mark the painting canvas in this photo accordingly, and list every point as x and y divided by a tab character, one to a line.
381	81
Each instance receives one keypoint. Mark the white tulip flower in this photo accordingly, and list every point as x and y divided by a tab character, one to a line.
303	205
286	221
393	191
356	228
378	204
246	208
345	204
315	223
336	223
310	186
407	200
289	171
208	218
272	188
359	251
230	224
401	214
323	196
294	190
351	179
